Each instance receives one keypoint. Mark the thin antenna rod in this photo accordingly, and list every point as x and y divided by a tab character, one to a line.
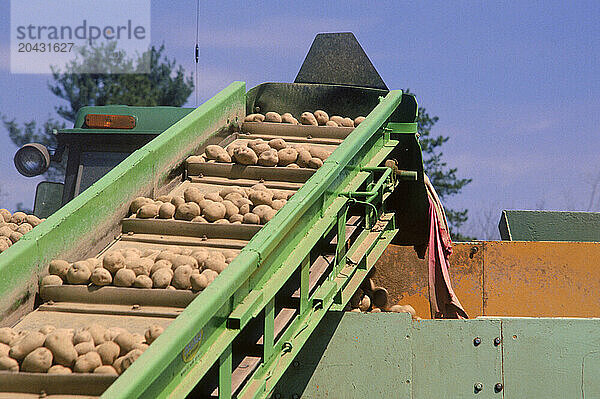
197	48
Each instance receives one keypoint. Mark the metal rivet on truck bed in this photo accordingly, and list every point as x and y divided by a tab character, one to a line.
135	307
478	387
498	387
497	341
477	341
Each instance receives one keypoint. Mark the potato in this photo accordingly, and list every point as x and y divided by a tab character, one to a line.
5	215
358	120
277	144
24	228
38	361
199	282
237	218
18	217
15	236
249	118
105	369
210	275
142	281
5	231
129	253
130	358
260	148
347	122
160	264
258	187
51	280
321	117
244	209
152	333
84	347
79	273
192	194
162	278
239	202
85	263
263	212
166	211
319	152
125	340
137	203
7	335
124	278
258	118
234	191
217	153
214	197
214	211
99	333
199	219
181	260
177	201
27	343
58	369
272	117
216	264
262	197
4	245
108	351
117	364
8	364
187	211
113	332
268	158
365	303
356	310
356	298
307	118
245	156
278	204
251	218
181	277
113	261
166	254
331	124
337	119
140	266
147	211
315	163
87	363
200	255
304	158
232	146
289	118
195	159
287	156
4	349
82	335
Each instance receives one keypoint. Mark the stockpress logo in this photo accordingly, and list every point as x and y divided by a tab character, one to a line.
55	34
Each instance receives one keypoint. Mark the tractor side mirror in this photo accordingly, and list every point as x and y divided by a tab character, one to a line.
48	198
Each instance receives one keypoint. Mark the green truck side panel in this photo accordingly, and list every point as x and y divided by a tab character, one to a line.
549	226
353	355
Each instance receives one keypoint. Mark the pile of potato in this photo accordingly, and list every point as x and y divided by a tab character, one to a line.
174	269
94	349
275	152
318	118
14	226
365	300
236	205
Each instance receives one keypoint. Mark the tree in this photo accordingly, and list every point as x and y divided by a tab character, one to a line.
150	80
443	178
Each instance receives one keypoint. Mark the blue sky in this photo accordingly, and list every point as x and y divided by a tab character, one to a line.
514	84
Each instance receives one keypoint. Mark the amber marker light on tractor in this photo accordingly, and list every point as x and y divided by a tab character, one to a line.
99	121
32	159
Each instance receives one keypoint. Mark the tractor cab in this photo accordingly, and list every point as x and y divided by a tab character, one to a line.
102	137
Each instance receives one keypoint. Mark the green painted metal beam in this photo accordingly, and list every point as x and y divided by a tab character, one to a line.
549	226
389	355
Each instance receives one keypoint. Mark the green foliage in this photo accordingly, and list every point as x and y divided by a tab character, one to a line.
149	80
125	83
443	178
